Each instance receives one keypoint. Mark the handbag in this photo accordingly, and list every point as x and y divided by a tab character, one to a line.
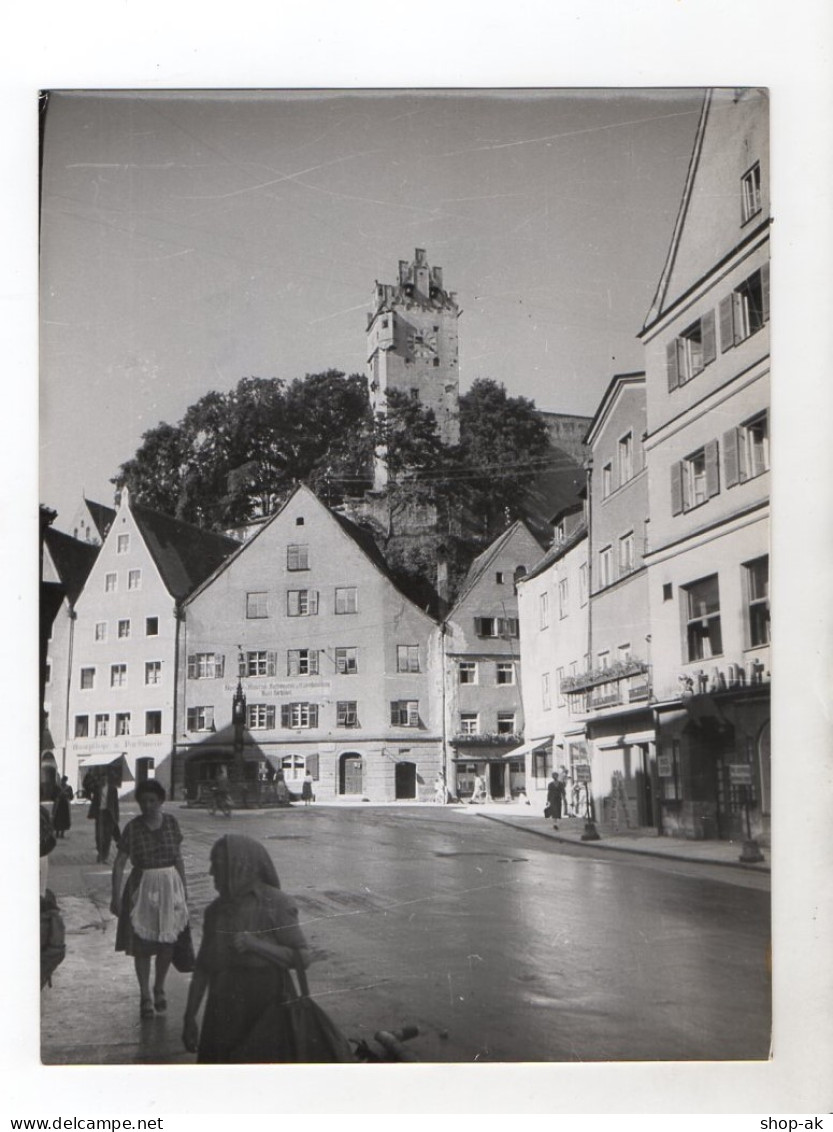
184	959
548	810
314	1035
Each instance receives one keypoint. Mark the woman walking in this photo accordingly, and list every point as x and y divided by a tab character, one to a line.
251	939
306	789
152	909
61	816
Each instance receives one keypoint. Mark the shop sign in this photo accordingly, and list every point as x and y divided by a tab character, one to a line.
581	772
665	766
740	774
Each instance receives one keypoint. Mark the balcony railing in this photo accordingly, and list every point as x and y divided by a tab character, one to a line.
488	739
595	676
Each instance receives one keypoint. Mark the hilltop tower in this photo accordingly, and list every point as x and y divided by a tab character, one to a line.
412	346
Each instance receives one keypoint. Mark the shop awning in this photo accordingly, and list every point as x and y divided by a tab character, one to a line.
528	748
105	758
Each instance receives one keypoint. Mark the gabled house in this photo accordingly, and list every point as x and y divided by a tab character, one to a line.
91	522
706	341
303	640
484	711
126	641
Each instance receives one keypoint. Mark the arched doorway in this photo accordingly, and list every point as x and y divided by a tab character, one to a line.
350	773
405	781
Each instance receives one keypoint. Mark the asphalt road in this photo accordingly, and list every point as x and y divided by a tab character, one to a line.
498	945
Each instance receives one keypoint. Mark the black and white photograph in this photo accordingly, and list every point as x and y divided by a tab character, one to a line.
405	511
428	619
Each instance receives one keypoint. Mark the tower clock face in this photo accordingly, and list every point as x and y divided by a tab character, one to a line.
422	345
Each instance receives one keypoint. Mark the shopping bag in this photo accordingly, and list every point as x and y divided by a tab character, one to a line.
184	959
314	1035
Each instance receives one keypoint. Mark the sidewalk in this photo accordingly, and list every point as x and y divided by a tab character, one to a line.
570	830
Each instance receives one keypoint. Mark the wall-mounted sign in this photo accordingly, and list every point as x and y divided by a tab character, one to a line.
665	766
581	771
740	774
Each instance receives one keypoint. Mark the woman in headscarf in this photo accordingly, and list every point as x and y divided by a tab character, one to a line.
152	910
250	940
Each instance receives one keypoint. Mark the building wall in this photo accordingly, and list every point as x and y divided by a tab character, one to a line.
97	605
216	621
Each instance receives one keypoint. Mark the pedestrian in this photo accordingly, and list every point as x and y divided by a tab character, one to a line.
106	805
250	941
220	797
306	789
440	792
555	794
61	816
478	796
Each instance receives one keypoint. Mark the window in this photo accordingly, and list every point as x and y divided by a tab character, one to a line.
151	626
496	626
347	661
607	480
206	665
505	672
48	676
757	601
604	659
124	629
626	458
750	193
702	610
346	713
301	603
404	713
110	582
122	723
543	610
467	671
347	599
582	584
605	567
469	723
153	672
153	723
559	679
695	479
102	726
200	718
506	723
123	544
746	450
302	662
82	726
546	695
744	312
293	766
499	578
134	579
299	715
118	675
260	663
407	658
690	353
667	591
260	717
299	521
100	633
626	553
87	678
297	556
256	605
624	652
563	598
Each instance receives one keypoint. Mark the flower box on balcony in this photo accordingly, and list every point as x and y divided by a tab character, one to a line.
617	671
490	739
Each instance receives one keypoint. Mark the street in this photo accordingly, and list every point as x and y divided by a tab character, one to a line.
498	945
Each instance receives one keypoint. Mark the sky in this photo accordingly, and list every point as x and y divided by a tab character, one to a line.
189	239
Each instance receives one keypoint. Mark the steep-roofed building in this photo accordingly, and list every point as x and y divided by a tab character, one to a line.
126	641
333	668
91	522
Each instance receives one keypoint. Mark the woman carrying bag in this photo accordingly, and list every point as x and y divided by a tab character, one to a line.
251	941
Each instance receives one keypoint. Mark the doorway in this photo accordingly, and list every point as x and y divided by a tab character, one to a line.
350	774
405	781
497	780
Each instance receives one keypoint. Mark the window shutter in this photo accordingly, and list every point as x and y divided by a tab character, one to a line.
313	601
270	716
313	715
312	765
192	668
712	469
271	663
478	626
285	715
671	365
765	289
394	712
292	663
413	714
727	333
731	463
676	488
313	662
219	664
209	718
708	332
737	318
241	664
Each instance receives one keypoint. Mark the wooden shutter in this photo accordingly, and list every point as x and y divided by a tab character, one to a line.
313	662
727	323
312	765
731	462
271	663
270	716
708	333
671	365
219	664
478	626
241	664
737	318
192	667
292	665
765	289
394	711
676	489
413	714
712	469
285	716
313	715
313	601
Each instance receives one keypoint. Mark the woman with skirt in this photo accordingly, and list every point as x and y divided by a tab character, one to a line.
152	909
250	940
61	816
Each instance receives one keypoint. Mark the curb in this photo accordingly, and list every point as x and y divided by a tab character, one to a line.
619	848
